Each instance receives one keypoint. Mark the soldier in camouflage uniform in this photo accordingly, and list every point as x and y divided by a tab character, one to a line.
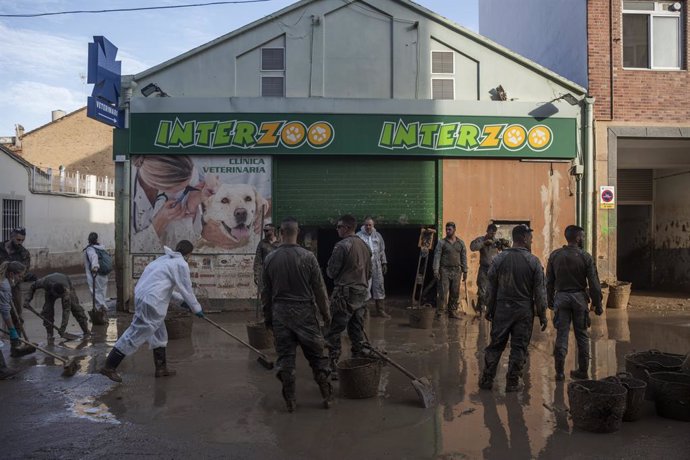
450	261
488	250
13	250
350	269
516	294
568	273
58	286
263	249
291	281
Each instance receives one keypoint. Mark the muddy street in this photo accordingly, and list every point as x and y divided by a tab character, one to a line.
223	404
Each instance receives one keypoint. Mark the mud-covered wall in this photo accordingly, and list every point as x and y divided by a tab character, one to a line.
476	192
672	229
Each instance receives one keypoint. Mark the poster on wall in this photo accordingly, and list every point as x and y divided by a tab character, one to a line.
216	202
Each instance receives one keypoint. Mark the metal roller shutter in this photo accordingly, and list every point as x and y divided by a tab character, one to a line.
635	185
317	191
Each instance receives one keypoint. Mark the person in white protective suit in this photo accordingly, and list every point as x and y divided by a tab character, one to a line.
379	265
152	294
93	278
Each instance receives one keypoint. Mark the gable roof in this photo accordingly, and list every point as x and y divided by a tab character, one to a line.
71	114
490	44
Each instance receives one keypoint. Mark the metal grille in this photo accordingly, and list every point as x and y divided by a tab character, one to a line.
635	185
442	62
272	59
12	213
443	88
273	86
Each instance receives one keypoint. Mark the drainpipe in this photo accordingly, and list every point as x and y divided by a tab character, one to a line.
589	173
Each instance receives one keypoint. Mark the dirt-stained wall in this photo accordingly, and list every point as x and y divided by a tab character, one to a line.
476	192
672	229
74	141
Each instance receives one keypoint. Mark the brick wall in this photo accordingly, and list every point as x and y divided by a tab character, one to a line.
638	95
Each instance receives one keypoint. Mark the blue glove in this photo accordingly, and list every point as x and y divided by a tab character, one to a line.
13	334
199	314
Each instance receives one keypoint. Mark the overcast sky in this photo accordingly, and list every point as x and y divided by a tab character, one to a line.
43	60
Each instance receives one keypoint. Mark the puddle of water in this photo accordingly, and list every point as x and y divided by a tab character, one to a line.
88	408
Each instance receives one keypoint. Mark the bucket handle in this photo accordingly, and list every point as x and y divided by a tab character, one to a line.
582	387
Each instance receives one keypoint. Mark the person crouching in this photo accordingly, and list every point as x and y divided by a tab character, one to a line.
152	294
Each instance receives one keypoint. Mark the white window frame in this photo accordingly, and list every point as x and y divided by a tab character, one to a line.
657	12
272	73
441	76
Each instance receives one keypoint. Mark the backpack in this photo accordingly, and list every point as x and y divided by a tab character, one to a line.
105	261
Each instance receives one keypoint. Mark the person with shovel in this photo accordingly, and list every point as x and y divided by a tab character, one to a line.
165	278
516	294
14	250
569	272
11	273
58	286
450	262
291	282
350	269
96	277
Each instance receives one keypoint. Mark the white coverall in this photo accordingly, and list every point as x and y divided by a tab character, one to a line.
378	259
91	261
151	298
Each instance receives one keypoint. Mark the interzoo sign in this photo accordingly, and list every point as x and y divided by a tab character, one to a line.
408	135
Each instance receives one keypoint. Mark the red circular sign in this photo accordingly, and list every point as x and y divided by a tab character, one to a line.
607	196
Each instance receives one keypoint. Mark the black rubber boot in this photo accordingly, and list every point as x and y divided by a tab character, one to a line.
19	349
5	371
287	378
160	361
560	366
113	360
512	382
486	382
84	325
325	387
579	374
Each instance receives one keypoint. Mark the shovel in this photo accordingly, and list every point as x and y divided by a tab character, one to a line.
69	367
263	359
421	385
64	335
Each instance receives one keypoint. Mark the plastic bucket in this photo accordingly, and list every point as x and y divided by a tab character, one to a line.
179	325
636	390
619	295
258	336
671	394
422	318
359	378
597	406
643	362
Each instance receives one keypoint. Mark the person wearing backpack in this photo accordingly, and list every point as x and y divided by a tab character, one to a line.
98	265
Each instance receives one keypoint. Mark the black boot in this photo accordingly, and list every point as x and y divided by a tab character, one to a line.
5	371
161	363
334	368
325	387
381	309
583	365
113	360
84	325
486	381
560	366
19	349
287	378
512	382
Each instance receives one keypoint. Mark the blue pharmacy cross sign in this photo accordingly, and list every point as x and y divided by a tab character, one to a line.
104	73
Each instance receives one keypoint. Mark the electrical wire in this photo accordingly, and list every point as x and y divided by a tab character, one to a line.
142	8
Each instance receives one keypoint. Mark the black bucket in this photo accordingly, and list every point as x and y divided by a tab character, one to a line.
636	390
597	406
671	394
359	377
638	364
259	337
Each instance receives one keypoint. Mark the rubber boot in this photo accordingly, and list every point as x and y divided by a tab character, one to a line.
50	335
381	309
161	363
560	366
486	381
512	382
287	378
325	388
84	325
583	365
113	360
5	371
19	349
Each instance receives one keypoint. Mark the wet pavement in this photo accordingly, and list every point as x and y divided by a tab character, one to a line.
223	404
